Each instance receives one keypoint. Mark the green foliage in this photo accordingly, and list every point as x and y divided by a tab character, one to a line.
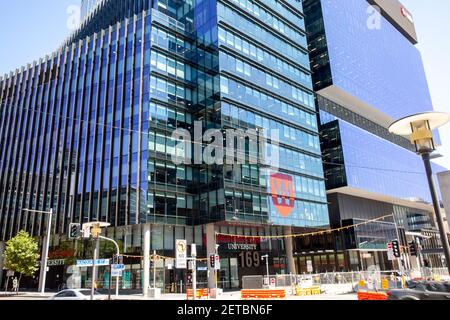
21	254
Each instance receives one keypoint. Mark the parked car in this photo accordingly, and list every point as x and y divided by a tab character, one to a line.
77	294
422	290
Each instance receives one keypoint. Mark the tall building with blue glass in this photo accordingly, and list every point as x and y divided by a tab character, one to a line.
368	73
88	132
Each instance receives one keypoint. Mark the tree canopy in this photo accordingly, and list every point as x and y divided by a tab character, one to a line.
21	254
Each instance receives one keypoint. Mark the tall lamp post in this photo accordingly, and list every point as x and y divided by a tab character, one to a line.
45	246
419	130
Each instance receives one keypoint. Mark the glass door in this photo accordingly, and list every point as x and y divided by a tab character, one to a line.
224	274
234	273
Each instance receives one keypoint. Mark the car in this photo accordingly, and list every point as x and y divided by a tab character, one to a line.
77	294
422	290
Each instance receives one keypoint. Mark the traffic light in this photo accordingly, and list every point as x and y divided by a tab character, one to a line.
212	260
74	230
412	248
396	248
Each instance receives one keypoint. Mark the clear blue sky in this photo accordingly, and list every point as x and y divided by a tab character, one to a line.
29	29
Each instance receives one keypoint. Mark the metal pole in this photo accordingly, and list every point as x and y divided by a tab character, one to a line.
118	254
194	279
94	267
437	209
146	280
194	270
109	282
154	273
44	258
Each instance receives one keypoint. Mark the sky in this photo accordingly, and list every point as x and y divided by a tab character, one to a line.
30	29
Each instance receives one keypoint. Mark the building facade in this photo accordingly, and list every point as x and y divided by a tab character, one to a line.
363	85
96	130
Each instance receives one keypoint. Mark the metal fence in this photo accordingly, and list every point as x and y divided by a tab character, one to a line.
346	282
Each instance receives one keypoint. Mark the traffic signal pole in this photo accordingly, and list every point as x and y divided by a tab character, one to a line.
118	254
94	267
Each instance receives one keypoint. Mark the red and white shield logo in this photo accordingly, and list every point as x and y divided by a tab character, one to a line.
283	193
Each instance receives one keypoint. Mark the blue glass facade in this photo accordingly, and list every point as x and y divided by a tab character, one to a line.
376	165
265	83
92	124
384	70
367	73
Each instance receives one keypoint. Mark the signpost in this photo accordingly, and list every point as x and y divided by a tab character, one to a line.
90	263
390	251
181	254
118	267
272	282
217	262
309	266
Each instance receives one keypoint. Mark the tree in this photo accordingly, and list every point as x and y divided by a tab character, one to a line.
21	254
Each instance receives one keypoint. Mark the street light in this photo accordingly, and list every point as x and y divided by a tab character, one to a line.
45	245
419	129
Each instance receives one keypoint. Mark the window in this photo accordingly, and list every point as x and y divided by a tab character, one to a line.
171	66
247	69
239	66
222	35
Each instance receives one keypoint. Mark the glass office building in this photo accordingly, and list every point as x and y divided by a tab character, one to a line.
88	132
363	85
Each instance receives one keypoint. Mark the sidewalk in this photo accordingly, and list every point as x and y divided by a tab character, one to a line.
25	295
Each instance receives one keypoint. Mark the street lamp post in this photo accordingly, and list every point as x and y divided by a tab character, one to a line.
419	129
45	247
117	254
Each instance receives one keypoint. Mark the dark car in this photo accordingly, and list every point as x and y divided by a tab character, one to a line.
422	291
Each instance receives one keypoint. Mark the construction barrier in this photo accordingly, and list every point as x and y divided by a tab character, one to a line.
263	294
368	295
201	293
315	290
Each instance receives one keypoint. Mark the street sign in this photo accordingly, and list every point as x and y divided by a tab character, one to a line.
90	263
217	262
390	251
118	267
181	254
10	273
116	273
86	231
272	282
309	266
